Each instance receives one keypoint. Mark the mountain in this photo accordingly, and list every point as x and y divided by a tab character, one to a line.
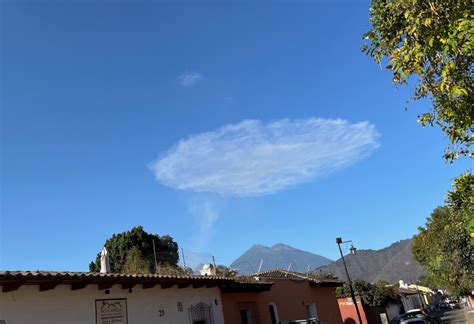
390	264
278	256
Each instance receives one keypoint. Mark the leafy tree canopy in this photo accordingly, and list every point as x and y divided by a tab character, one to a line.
166	269
323	274
432	40
372	295
223	271
445	246
134	262
427	281
132	251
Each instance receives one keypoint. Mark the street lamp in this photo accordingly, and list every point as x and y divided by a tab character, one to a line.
353	252
353	249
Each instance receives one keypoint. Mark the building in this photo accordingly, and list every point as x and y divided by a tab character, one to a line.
413	296
348	311
368	314
293	296
106	298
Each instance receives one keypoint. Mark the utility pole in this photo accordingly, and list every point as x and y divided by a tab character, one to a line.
289	267
353	251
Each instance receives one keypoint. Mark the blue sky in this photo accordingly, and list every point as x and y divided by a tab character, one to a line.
171	116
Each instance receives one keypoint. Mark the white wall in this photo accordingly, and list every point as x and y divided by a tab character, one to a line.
62	305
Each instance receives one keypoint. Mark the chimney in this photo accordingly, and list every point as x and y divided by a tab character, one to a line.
104	261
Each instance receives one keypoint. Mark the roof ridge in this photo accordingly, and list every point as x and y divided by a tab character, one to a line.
28	273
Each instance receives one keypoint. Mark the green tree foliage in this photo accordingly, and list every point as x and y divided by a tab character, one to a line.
135	263
166	269
432	40
119	246
461	201
223	271
323	274
445	246
427	281
372	295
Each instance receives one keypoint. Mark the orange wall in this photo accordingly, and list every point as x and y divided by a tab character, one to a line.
290	298
348	311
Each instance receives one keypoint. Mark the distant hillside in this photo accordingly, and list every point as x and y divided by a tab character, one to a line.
278	256
390	264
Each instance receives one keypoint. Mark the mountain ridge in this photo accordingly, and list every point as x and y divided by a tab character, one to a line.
279	255
392	263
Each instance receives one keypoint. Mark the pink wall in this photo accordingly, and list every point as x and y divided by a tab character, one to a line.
290	298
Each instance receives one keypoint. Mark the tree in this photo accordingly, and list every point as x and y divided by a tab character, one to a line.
119	246
134	262
427	281
166	269
431	41
223	271
323	274
445	246
372	295
461	201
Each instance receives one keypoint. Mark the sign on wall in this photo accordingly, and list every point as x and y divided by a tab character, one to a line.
111	311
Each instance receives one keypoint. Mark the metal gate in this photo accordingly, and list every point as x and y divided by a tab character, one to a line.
201	314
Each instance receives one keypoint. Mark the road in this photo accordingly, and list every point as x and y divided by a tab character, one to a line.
458	316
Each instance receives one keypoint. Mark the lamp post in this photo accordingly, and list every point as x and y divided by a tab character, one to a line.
353	251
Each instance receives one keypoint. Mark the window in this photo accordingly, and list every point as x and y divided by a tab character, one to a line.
201	314
311	310
249	313
273	313
246	316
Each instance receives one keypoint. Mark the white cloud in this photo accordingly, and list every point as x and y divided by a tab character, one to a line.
189	79
252	158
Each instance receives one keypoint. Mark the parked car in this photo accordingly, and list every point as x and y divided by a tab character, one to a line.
414	320
444	306
453	304
419	316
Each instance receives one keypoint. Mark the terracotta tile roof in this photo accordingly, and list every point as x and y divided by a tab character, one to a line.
313	280
96	275
12	280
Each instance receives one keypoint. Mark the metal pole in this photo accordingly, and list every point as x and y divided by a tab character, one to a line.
354	300
184	260
154	254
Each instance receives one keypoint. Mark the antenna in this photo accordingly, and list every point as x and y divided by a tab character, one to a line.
154	254
260	266
184	260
